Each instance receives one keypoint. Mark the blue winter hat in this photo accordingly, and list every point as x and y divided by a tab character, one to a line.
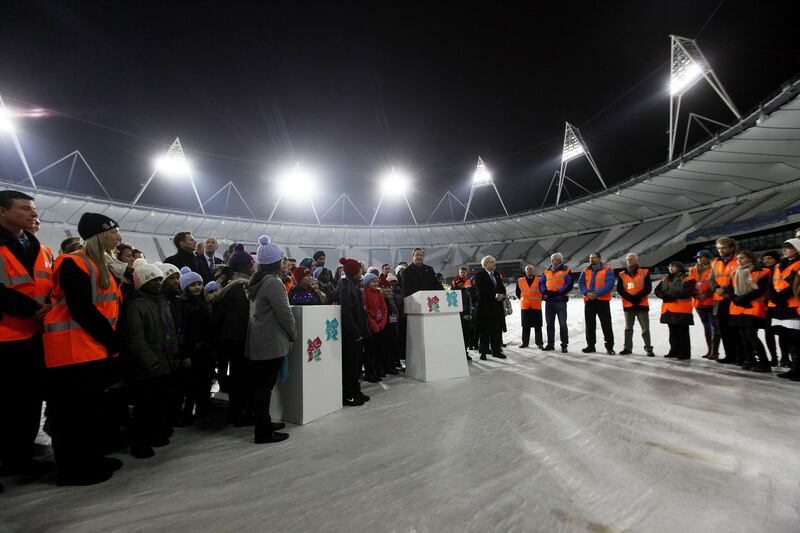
268	252
369	276
306	262
188	277
703	253
211	286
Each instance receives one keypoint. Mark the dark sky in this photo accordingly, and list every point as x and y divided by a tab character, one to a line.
352	88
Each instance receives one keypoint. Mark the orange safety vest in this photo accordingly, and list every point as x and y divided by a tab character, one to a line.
702	283
601	280
288	285
634	285
65	341
467	283
723	273
759	305
15	276
779	282
555	281
530	297
682	306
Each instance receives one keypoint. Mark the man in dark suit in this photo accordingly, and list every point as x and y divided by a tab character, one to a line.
419	276
208	262
185	255
490	308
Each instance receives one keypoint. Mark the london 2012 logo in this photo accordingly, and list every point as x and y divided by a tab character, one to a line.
332	330
433	304
314	350
452	299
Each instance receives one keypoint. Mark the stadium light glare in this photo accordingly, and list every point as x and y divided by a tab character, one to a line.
684	78
6	124
394	184
482	176
174	162
297	183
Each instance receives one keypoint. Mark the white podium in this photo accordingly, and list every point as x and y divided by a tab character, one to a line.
314	387
434	341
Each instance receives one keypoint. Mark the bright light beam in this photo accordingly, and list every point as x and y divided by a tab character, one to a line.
7	125
296	184
682	80
394	184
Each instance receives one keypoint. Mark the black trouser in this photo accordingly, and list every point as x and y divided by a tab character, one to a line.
537	335
240	391
265	374
752	349
75	398
551	310
374	354
491	336
592	310
679	343
21	411
792	339
769	336
222	365
352	356
730	337
193	388
391	357
151	400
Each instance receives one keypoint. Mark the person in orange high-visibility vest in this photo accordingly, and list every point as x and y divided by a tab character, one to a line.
530	305
555	284
25	286
703	301
596	284
769	260
676	290
721	270
748	309
633	286
785	304
79	341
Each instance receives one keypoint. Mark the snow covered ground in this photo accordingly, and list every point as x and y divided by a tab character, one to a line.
544	442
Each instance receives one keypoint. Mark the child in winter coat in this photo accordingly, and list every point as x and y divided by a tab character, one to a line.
194	370
149	345
303	292
377	318
391	356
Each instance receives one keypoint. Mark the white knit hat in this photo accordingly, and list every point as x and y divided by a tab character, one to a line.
144	272
794	242
167	269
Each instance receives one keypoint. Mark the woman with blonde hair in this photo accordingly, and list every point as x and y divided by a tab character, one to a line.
79	341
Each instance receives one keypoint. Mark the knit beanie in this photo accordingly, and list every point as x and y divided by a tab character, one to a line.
794	243
317	255
351	267
298	273
318	272
239	256
92	224
374	270
188	277
167	269
369	276
211	286
144	272
268	252
679	265
391	277
773	254
306	262
384	282
704	253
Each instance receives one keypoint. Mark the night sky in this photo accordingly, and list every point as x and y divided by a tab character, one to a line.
350	89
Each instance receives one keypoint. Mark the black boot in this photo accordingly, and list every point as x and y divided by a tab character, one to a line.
714	348
264	434
710	344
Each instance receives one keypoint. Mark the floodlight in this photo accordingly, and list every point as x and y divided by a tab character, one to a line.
297	183
174	163
481	176
684	77
394	184
6	124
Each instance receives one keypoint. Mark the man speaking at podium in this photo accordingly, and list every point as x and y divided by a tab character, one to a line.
419	276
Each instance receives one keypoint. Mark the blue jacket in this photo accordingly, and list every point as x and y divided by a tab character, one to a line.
607	287
563	294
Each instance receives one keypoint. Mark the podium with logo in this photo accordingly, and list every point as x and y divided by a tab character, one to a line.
434	341
314	385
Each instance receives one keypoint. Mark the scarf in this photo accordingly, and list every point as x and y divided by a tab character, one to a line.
743	281
116	266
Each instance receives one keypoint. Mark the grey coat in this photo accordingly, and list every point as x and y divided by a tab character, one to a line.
271	329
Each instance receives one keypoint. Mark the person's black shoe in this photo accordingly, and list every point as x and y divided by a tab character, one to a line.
31	467
352	402
540	346
92	477
483	357
488	352
626	352
747	365
372	379
610	351
363	397
564	349
523	345
142	451
683	358
765	368
588	349
276	426
549	348
273	436
774	362
727	361
650	353
503	345
500	355
670	356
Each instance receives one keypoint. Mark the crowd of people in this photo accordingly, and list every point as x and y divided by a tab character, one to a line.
125	350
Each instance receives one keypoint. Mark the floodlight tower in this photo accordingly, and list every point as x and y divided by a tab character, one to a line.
297	184
394	184
482	178
173	163
7	124
574	147
688	66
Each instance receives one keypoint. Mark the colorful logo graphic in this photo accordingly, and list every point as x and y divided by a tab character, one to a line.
433	304
452	299
332	330
314	350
